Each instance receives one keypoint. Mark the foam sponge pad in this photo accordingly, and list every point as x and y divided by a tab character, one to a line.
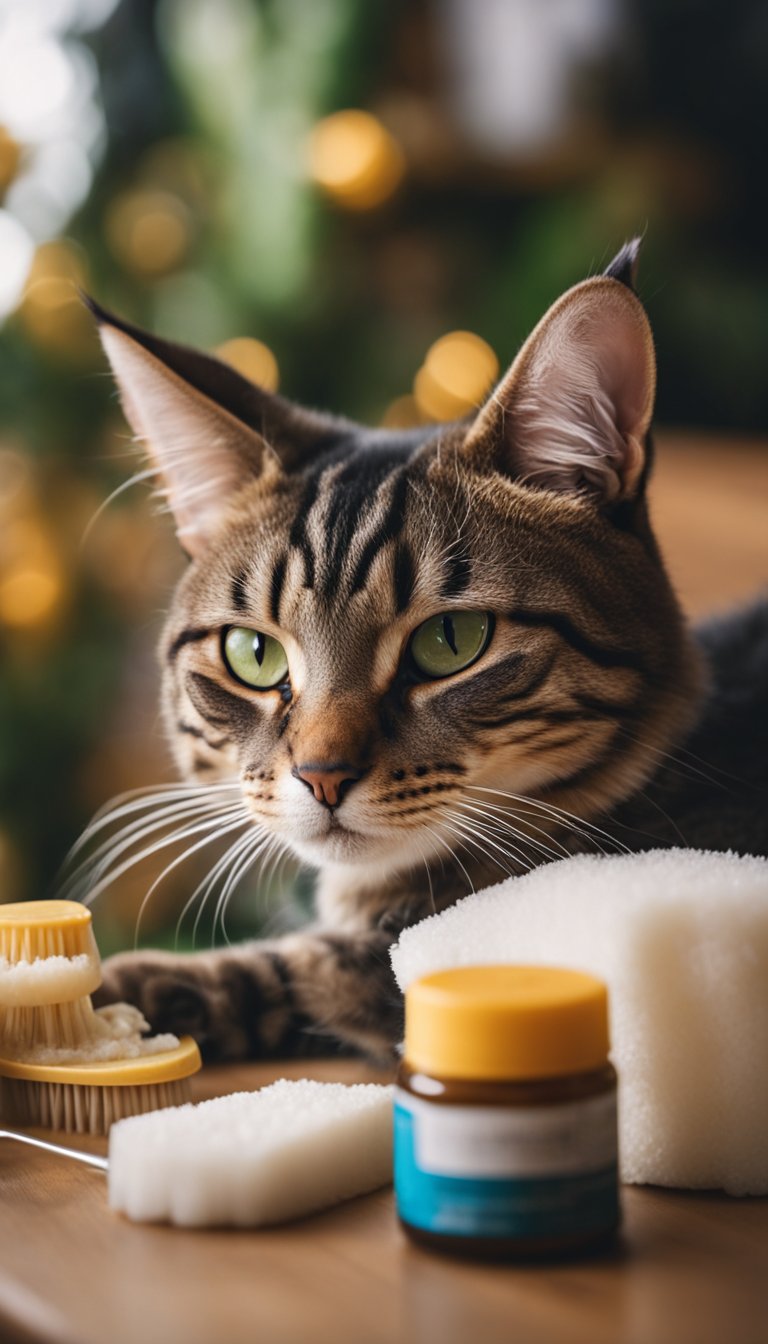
681	938
253	1157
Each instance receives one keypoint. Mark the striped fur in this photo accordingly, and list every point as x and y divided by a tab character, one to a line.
341	551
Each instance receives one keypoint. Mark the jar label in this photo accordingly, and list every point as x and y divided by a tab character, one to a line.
496	1171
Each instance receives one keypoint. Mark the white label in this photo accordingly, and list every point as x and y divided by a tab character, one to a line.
577	1136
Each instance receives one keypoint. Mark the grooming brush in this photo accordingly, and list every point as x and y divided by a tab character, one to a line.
49	965
63	1064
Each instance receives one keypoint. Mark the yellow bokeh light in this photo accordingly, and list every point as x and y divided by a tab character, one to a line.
51	310
28	596
253	359
458	371
148	231
10	158
355	159
402	413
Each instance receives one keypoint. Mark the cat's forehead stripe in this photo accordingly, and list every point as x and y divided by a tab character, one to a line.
355	494
355	488
387	530
458	572
239	591
403	576
276	586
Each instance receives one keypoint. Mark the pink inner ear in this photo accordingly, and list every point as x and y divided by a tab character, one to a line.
575	407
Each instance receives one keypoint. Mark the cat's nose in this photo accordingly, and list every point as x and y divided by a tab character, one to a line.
329	781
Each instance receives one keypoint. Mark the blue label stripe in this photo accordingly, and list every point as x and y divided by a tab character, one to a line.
500	1207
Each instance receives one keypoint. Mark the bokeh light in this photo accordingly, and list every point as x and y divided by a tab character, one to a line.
52	312
31	581
355	159
28	596
253	359
50	111
458	371
10	158
16	250
403	413
149	232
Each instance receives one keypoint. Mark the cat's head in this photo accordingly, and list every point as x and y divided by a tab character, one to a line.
376	626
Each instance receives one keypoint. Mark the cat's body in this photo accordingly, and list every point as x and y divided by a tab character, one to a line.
427	659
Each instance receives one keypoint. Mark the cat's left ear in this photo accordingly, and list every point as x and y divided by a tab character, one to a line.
207	430
573	412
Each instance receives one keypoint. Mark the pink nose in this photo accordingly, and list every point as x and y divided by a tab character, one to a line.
328	782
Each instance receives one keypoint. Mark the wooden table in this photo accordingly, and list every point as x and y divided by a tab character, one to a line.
692	1269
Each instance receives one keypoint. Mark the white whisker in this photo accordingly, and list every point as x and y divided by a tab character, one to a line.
136	479
208	882
181	858
208	824
452	854
164	794
238	872
500	817
568	819
474	836
95	865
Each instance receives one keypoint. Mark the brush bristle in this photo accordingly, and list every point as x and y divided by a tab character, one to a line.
57	1025
78	1109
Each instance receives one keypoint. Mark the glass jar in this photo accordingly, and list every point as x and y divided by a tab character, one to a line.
505	1113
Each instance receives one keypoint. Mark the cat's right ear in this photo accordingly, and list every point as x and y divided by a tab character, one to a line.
573	412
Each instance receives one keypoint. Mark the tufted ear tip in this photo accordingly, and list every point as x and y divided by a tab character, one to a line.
624	265
104	318
94	308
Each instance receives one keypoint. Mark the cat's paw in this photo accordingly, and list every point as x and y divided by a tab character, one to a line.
175	994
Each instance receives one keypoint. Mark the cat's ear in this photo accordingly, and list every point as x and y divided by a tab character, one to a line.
207	430
573	412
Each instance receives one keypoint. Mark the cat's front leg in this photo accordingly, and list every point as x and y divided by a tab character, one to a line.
289	996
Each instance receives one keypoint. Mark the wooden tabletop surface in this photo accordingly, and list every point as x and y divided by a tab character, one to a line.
690	1269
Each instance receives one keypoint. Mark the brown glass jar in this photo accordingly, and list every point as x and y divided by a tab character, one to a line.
505	1113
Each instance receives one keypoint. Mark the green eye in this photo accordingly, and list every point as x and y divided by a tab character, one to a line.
450	642
257	659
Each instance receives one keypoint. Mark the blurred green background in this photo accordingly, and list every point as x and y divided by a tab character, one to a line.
321	190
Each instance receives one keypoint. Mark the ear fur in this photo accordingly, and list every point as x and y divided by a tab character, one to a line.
573	412
203	454
207	430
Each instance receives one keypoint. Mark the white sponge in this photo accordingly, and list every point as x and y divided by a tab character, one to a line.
681	938
253	1157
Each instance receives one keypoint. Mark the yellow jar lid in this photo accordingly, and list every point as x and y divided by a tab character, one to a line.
506	1022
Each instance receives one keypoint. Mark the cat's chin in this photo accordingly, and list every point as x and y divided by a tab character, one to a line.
337	846
355	849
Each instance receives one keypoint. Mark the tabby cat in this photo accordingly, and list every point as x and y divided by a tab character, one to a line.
422	660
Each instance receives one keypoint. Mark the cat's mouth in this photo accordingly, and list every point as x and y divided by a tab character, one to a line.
334	841
334	825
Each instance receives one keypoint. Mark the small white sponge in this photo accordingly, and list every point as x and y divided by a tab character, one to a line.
681	938
253	1157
